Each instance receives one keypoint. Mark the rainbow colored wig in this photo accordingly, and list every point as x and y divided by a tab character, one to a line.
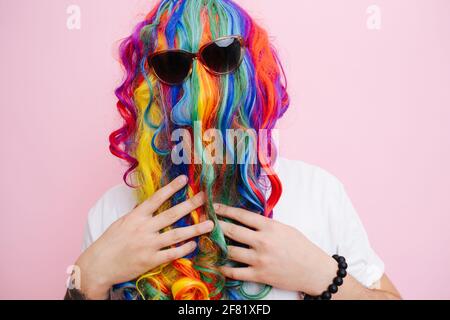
254	96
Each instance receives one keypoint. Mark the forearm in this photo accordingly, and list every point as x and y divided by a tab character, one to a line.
75	294
85	283
352	289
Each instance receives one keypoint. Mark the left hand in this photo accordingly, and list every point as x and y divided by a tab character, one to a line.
279	255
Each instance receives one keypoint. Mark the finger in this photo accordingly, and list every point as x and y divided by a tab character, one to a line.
172	215
242	273
238	233
162	195
169	255
177	235
248	218
244	255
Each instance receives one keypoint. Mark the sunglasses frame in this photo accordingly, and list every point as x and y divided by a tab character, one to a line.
199	57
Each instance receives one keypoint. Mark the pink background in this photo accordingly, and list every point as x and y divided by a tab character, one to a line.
372	107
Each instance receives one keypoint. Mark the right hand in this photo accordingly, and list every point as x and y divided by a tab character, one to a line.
134	245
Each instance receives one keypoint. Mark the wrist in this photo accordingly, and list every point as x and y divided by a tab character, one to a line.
95	291
333	287
92	284
325	277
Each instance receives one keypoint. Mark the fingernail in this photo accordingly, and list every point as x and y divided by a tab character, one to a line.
182	179
209	225
216	207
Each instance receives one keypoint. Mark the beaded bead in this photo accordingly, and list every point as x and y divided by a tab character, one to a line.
333	288
326	295
337	281
342	273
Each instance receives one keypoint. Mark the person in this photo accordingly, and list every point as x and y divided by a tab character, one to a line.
187	224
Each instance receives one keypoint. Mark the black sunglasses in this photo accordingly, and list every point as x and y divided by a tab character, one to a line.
221	56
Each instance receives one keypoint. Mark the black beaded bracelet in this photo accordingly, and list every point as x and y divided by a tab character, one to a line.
337	281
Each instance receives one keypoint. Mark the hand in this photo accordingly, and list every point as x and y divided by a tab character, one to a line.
134	245
279	255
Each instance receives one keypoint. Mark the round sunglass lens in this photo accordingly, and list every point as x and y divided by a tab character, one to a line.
223	55
171	67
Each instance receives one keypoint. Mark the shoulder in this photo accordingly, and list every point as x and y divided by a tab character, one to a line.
311	200
300	176
116	201
316	202
113	204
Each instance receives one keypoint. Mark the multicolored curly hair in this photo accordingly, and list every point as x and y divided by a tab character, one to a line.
254	96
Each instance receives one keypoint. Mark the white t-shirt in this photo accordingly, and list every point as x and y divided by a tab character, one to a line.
313	201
